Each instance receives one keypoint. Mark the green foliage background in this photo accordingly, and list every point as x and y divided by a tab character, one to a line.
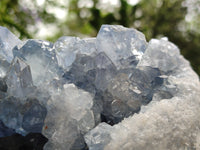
155	18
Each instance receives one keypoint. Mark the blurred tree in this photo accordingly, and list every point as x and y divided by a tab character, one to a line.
17	16
9	10
155	18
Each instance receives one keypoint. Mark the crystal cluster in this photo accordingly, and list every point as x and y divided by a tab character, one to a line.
116	91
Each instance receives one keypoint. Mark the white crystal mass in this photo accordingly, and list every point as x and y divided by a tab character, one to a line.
113	92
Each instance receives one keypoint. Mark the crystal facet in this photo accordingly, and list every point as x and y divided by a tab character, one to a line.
122	45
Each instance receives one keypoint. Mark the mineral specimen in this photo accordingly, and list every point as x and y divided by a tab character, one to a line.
113	92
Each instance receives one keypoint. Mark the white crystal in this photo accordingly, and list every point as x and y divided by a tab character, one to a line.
68	119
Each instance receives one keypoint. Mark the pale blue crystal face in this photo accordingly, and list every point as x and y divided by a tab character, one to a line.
41	57
99	137
67	48
123	46
22	117
33	118
97	93
161	54
7	42
3	67
10	115
19	78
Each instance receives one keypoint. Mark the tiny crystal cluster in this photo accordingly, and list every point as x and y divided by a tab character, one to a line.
113	92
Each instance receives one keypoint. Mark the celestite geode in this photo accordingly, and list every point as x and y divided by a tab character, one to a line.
112	92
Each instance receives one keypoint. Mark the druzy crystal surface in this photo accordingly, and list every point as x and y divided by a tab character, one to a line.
113	92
